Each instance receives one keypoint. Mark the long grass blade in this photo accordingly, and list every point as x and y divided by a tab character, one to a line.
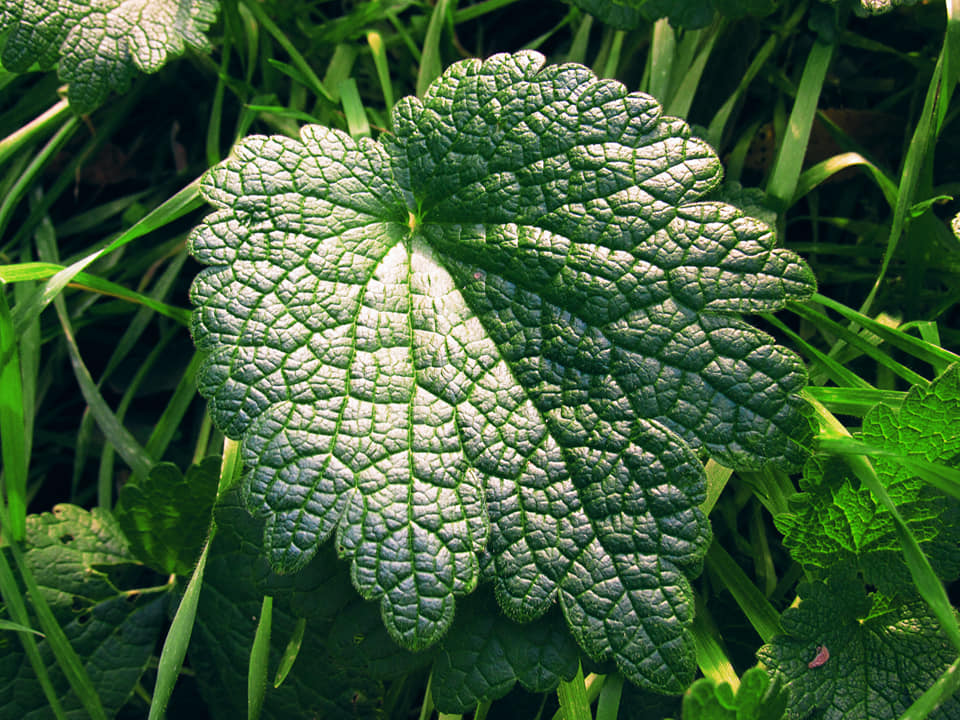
259	659
13	441
178	637
116	434
21	272
755	606
786	170
430	62
185	201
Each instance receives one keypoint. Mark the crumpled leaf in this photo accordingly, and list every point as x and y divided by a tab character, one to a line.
502	334
486	654
166	516
755	699
877	663
689	14
92	582
835	521
101	44
329	678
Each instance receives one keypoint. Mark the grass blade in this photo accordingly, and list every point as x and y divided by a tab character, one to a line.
945	686
13	441
259	659
21	272
430	62
379	53
357	123
920	349
116	434
37	126
608	705
291	652
185	201
573	698
755	606
851	338
178	637
786	170
711	657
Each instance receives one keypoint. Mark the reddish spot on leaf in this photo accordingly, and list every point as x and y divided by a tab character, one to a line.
821	657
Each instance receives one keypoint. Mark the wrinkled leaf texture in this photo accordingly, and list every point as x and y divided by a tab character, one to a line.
835	522
878	664
502	335
100	45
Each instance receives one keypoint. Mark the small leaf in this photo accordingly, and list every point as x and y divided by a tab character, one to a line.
880	659
166	516
506	332
101	45
755	699
835	521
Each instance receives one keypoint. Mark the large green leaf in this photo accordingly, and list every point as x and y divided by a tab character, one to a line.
95	587
101	44
835	521
843	659
505	333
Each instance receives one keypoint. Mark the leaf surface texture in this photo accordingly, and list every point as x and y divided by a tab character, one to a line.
835	521
502	337
100	45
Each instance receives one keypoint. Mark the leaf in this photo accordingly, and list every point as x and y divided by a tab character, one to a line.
755	699
166	516
689	14
486	654
506	330
878	664
101	45
835	521
91	579
323	682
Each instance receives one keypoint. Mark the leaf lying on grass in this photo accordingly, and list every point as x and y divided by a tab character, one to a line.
508	328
